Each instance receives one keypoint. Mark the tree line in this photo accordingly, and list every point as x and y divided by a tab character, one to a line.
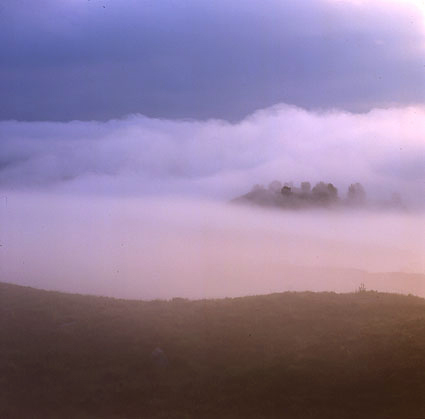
322	194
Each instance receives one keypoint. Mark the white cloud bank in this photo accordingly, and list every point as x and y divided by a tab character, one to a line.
384	149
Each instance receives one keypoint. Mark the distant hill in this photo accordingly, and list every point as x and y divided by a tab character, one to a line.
291	355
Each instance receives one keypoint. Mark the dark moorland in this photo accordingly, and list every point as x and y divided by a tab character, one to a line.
288	355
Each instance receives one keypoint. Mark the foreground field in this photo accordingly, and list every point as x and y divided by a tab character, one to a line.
290	355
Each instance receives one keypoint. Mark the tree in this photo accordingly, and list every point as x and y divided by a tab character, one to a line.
332	191
286	191
305	187
275	186
356	194
324	193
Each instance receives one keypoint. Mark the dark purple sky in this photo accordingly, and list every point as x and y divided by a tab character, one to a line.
103	59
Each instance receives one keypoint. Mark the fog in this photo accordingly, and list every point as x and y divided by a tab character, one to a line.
382	149
168	247
139	207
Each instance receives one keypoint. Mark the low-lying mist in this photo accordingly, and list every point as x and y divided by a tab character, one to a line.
168	247
139	207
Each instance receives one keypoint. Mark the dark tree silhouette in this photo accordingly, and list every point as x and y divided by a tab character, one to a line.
324	193
303	196
356	194
286	190
305	187
275	186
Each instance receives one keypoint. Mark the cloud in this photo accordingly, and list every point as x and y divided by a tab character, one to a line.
383	149
101	59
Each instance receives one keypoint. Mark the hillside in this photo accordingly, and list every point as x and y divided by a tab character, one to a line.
291	355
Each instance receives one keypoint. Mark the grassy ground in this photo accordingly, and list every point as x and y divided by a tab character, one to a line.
289	355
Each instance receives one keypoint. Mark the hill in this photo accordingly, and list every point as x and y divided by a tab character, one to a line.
291	355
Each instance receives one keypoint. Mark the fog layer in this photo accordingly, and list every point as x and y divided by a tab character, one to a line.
383	149
166	247
138	207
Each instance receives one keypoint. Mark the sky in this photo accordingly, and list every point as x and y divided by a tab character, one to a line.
106	59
